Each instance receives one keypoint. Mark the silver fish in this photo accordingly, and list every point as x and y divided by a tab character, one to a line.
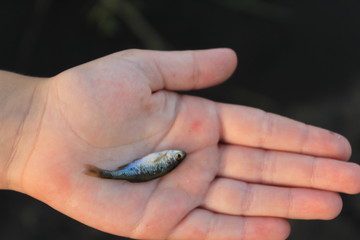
149	167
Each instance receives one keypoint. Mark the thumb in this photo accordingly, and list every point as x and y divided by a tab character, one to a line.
184	70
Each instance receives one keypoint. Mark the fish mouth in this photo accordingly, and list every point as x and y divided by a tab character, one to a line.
182	155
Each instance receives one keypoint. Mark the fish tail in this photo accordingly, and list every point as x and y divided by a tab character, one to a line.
93	171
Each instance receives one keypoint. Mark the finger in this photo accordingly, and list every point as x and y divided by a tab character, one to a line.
281	168
239	198
202	224
184	70
252	127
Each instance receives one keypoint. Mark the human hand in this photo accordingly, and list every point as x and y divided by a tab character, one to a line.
246	170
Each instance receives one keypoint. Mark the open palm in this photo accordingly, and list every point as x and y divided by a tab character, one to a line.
245	169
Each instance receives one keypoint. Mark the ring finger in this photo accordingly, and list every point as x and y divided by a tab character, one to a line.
239	198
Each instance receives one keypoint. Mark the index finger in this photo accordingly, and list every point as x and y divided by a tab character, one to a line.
255	128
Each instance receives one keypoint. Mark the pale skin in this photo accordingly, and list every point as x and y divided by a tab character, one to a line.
246	172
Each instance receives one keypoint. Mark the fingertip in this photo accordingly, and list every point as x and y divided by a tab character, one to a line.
267	228
320	205
229	54
218	65
340	147
324	143
346	147
351	179
334	206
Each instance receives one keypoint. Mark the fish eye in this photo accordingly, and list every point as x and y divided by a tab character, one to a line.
178	156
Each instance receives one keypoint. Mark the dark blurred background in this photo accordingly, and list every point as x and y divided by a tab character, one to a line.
297	58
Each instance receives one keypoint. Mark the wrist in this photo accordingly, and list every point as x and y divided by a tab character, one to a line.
21	104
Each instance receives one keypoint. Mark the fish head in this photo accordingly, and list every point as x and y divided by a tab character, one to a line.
178	155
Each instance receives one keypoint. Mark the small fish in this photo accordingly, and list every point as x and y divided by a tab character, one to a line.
149	167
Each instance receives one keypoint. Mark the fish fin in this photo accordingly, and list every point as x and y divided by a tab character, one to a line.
93	171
